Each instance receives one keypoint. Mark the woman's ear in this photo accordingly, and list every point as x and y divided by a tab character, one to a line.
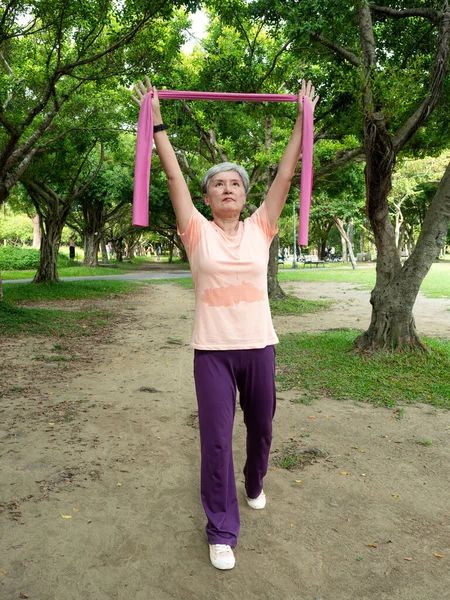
205	198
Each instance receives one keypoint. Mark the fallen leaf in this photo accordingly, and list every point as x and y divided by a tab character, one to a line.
3	572
328	416
312	417
362	450
76	509
354	447
407	558
52	424
363	474
66	516
395	495
371	545
438	555
344	473
298	481
119	484
23	596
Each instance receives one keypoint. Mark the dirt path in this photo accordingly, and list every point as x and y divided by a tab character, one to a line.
99	474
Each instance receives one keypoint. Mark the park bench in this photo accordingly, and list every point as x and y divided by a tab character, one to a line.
313	259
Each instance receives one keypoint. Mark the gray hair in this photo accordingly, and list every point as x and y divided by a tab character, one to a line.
220	168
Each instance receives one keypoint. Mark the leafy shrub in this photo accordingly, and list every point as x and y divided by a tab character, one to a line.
13	258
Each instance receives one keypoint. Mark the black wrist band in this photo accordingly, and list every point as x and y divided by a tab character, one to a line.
161	127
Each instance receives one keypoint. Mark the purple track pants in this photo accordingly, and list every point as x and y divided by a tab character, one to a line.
217	374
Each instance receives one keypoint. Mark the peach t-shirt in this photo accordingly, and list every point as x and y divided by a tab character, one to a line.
230	279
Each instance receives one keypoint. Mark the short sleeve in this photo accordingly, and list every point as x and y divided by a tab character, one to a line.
193	232
261	219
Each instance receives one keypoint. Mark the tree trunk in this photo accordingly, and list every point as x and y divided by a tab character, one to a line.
50	240
36	231
181	249
103	251
171	246
91	246
274	288
346	243
392	323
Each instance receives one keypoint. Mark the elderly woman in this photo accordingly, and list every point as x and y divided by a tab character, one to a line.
233	335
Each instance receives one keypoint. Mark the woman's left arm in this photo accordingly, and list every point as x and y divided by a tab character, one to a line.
277	194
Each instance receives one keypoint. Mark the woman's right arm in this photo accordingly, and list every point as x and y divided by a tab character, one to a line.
179	191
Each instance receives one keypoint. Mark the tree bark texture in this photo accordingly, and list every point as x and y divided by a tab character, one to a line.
36	231
52	211
392	324
347	246
50	240
91	248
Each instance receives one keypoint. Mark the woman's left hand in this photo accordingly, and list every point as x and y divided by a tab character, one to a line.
307	92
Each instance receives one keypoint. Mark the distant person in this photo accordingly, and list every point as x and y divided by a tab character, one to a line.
158	252
72	247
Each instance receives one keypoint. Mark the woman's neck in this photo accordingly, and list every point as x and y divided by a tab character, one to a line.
229	226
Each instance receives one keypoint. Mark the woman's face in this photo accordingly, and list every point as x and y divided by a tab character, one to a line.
226	194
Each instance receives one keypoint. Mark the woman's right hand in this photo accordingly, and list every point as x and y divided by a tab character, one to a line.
142	92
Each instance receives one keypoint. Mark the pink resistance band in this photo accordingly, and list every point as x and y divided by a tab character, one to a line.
144	145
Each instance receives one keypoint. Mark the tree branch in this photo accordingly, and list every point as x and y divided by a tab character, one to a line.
274	63
349	56
440	70
342	158
80	190
426	13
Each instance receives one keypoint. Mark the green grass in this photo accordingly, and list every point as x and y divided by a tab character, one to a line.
75	271
184	282
324	364
291	305
67	290
79	270
435	285
18	320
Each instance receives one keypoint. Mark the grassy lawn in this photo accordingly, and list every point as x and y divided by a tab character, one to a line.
19	320
315	364
75	271
435	285
79	270
323	363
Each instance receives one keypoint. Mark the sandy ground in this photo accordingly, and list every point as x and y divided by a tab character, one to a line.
99	473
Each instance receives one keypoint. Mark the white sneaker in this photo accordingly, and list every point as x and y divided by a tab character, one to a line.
257	503
221	556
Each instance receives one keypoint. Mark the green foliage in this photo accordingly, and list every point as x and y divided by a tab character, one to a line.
15	228
18	258
324	363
